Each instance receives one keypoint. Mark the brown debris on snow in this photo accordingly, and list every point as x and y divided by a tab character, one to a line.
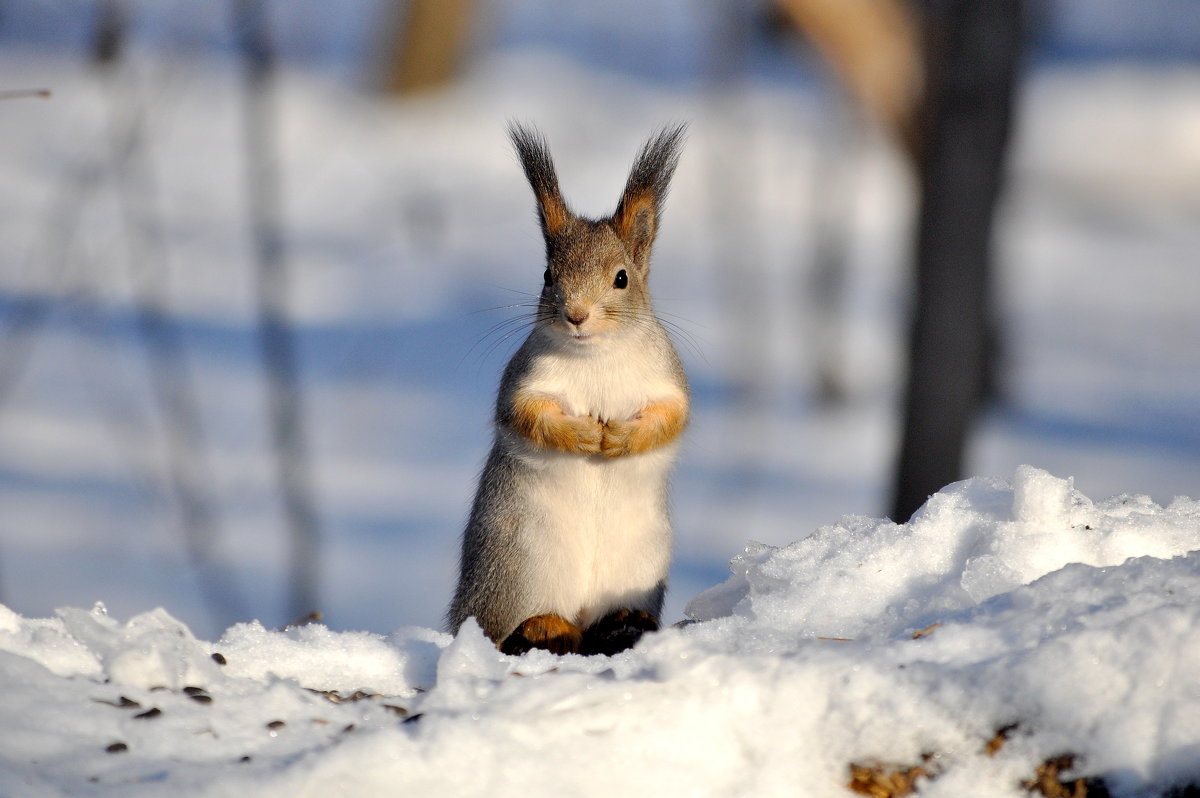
993	746
1047	781
889	780
926	632
883	780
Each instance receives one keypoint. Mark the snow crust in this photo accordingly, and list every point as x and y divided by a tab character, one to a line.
1002	602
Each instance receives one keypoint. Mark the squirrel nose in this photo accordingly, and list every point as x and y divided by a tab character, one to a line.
576	316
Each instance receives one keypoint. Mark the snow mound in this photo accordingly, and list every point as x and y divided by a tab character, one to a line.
972	541
1000	603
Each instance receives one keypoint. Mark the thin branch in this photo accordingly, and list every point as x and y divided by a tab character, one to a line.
280	359
170	377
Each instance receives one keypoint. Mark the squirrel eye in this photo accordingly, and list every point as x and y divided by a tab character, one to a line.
622	280
547	279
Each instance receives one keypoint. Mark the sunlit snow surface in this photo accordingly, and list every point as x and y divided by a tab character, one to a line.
1079	621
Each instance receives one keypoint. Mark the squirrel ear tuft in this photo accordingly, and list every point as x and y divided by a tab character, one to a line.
534	153
636	218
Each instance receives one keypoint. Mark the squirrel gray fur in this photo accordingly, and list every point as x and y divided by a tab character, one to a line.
569	539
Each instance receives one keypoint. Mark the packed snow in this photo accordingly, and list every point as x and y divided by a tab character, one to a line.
1021	606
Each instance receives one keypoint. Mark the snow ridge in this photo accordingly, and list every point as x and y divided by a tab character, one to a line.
1079	621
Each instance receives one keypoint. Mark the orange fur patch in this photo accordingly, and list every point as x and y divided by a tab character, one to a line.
635	222
554	212
551	632
543	421
658	424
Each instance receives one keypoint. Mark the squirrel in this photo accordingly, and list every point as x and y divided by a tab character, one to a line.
569	539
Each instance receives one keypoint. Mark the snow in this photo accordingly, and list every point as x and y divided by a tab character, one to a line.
1001	603
963	547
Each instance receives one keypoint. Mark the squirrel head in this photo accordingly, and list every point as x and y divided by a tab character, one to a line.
597	271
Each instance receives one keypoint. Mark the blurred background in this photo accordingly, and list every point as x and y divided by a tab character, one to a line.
257	258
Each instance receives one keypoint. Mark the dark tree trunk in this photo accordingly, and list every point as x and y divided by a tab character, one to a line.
973	50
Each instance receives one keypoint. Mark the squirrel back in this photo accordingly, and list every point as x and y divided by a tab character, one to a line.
569	539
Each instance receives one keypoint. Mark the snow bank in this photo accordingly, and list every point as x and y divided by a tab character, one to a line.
970	542
1078	621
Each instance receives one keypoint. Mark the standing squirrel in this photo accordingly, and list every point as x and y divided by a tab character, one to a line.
569	539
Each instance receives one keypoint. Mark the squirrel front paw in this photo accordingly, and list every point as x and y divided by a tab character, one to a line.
659	423
615	442
586	436
543	421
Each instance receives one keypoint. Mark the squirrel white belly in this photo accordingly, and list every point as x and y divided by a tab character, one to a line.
569	540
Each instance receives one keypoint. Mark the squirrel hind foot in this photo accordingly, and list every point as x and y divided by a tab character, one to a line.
553	633
616	632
